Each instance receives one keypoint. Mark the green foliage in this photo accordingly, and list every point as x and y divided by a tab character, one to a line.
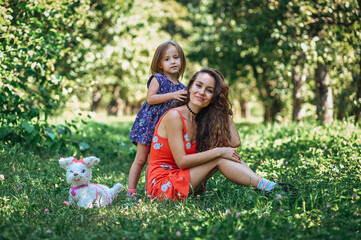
257	45
37	36
323	162
101	49
51	51
119	44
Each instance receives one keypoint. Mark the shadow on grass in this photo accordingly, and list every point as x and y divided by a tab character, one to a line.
326	171
110	143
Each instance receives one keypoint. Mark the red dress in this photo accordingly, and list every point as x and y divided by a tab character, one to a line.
165	179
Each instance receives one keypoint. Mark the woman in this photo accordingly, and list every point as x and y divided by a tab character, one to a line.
196	139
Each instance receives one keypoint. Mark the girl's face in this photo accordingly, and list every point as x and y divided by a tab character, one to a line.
171	62
202	90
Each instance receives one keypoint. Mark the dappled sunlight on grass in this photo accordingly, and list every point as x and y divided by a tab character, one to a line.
322	162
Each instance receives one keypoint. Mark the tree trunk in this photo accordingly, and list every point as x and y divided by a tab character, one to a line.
324	100
298	79
358	93
96	98
276	108
245	112
262	94
127	108
340	114
267	116
114	107
272	104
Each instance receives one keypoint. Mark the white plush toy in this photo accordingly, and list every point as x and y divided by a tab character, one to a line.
82	192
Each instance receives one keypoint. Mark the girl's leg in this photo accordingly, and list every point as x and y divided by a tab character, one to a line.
138	164
236	172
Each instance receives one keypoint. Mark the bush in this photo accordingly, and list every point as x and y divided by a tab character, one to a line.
37	38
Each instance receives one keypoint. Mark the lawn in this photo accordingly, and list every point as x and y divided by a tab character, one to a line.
322	162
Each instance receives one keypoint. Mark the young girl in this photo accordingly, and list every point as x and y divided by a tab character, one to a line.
167	67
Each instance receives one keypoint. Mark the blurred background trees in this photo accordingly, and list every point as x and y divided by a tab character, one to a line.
284	60
300	58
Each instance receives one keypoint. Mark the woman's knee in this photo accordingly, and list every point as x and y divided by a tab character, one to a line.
221	161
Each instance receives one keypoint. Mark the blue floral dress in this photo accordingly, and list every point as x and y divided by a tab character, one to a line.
148	116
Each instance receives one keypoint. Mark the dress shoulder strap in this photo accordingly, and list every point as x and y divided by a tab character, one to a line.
184	123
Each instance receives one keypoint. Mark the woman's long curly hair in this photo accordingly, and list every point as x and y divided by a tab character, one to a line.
212	121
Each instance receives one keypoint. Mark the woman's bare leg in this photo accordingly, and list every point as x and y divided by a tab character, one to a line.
245	164
204	181
138	164
236	172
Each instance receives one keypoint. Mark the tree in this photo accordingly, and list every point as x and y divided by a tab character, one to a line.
283	44
358	78
240	38
120	44
37	36
329	25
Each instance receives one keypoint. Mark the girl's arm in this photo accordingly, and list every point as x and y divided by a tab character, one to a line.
174	131
154	98
235	140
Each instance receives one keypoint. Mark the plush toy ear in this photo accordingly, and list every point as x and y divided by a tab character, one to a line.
91	161
65	162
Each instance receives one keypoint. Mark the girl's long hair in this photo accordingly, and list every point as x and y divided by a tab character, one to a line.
212	121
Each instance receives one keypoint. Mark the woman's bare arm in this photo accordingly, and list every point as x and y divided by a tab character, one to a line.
174	132
235	140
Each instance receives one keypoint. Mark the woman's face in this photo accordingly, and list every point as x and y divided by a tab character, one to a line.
202	89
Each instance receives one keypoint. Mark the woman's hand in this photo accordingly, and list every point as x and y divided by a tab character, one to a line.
180	95
230	154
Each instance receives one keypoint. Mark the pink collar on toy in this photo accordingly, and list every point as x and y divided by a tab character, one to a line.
77	161
73	189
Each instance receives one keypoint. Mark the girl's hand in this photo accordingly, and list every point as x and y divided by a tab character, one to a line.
180	95
230	154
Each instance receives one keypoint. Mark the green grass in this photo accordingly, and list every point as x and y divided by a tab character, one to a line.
323	162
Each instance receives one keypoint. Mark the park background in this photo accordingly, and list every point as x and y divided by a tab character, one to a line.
73	75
